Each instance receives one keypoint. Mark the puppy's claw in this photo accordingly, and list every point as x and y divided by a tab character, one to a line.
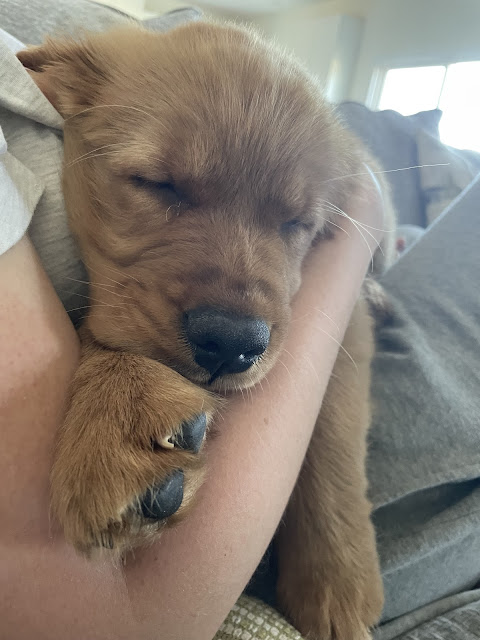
163	501
166	443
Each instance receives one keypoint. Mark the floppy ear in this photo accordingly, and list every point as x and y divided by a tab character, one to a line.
68	73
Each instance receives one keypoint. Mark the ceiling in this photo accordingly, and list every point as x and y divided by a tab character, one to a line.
257	6
353	7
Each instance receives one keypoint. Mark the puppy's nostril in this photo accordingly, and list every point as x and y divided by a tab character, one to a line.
209	346
225	342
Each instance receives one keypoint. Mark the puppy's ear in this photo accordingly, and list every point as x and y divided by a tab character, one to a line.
68	73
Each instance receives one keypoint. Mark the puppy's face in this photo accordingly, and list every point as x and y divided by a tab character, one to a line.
197	167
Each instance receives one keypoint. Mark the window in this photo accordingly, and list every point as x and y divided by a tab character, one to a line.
454	88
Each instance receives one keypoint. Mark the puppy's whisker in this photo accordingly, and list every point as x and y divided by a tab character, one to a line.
267	380
367	173
340	345
90	306
120	284
100	302
280	361
328	318
308	361
338	227
362	224
357	225
261	387
308	315
100	286
365	226
344	215
122	273
87	306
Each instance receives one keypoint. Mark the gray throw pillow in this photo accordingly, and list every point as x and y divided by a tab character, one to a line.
392	139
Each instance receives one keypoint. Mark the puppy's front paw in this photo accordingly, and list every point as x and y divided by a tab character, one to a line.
129	456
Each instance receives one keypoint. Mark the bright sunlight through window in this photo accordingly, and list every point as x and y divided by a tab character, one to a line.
455	89
412	90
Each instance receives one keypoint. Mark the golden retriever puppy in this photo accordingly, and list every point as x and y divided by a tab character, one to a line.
210	164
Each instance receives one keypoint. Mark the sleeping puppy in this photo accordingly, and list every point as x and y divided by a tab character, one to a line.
202	165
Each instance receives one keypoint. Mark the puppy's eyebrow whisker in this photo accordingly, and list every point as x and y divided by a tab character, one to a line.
115	106
83	158
367	173
92	151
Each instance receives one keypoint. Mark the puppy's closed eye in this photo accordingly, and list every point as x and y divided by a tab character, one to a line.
294	226
157	187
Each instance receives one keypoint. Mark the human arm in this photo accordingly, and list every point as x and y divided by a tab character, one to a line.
184	586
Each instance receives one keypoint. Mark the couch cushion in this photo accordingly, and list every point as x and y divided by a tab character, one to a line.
392	139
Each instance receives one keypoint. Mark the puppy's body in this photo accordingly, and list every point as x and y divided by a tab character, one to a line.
201	165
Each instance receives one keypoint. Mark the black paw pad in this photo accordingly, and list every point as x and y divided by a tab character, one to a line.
192	435
163	500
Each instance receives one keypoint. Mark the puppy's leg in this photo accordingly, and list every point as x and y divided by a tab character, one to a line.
129	452
329	580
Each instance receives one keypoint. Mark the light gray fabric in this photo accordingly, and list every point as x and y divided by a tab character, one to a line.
33	131
20	192
453	618
425	440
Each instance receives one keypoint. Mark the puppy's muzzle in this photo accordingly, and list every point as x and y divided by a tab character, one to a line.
224	343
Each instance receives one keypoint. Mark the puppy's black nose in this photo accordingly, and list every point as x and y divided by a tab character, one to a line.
225	342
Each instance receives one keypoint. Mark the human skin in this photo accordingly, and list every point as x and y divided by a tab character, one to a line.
182	587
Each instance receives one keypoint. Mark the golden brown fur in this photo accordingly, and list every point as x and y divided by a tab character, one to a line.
242	132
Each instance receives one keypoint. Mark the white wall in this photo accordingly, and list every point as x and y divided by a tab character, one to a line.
311	37
325	34
327	42
416	32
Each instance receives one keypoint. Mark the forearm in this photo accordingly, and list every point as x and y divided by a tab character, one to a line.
46	590
199	569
